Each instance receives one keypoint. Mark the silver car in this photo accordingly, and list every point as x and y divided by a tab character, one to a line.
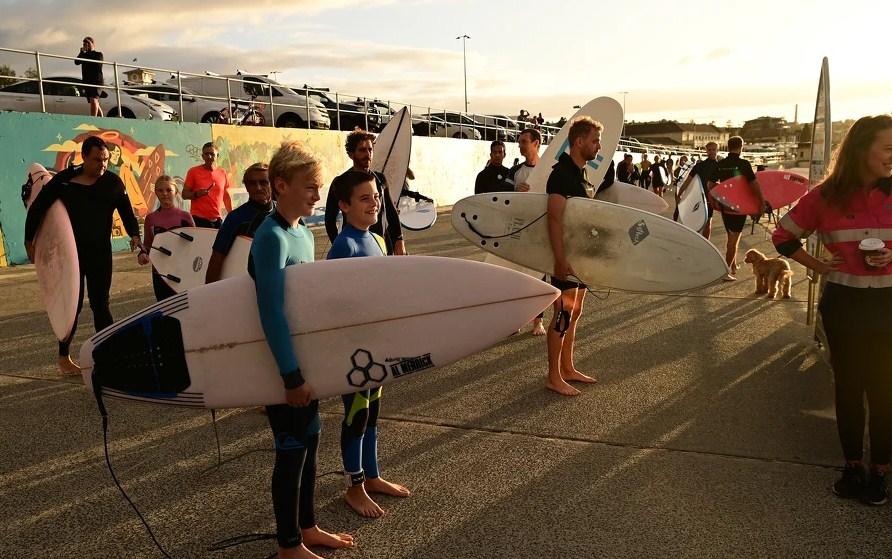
66	97
195	108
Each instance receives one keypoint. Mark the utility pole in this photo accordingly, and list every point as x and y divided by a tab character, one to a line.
623	131
464	54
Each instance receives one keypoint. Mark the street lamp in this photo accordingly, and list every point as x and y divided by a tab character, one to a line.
464	54
623	131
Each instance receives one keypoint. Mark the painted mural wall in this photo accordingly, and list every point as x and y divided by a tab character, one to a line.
445	168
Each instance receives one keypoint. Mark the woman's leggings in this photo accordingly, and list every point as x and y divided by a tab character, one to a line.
296	434
857	323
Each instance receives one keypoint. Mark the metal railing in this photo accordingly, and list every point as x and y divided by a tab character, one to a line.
284	105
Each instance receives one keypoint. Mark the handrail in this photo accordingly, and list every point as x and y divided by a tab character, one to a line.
373	113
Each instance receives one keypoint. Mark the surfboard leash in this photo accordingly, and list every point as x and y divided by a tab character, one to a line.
509	234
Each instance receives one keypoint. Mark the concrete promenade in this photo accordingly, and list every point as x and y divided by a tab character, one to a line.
710	434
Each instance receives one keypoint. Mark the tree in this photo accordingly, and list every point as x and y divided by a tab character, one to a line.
7	75
31	72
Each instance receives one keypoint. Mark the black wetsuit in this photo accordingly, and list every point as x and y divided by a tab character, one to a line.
704	169
90	209
732	166
388	224
492	179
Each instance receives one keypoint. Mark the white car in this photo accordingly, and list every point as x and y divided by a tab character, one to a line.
443	129
67	98
195	108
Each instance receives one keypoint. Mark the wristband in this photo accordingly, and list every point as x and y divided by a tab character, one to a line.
293	379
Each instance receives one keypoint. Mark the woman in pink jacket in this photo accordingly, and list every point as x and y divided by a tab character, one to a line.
854	203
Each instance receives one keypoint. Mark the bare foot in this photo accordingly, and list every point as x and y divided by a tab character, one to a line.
360	502
67	366
563	388
729	277
384	487
576	376
538	327
299	552
318	536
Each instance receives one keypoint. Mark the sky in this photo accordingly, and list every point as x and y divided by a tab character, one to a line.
683	60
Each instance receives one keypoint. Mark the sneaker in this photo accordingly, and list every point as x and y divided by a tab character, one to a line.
876	492
852	483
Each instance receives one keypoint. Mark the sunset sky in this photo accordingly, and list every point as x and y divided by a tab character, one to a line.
707	61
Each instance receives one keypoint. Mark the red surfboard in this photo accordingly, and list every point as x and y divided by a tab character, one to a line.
780	188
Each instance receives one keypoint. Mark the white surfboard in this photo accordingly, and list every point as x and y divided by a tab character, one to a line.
626	194
693	209
345	340
417	215
607	245
393	146
605	110
181	256
55	258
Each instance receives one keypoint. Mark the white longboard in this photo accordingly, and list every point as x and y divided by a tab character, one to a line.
607	245
693	208
181	256
626	194
605	110
417	215
345	340
393	146
55	258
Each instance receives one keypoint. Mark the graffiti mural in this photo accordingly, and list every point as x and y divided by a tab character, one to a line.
141	151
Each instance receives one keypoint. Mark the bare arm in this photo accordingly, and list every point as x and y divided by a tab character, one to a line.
215	267
556	206
820	266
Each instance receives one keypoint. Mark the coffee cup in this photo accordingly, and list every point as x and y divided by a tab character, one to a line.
871	247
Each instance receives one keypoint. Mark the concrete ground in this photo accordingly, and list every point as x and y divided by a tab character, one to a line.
710	434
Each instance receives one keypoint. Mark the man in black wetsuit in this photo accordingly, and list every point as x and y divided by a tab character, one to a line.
704	169
493	177
90	61
360	150
91	194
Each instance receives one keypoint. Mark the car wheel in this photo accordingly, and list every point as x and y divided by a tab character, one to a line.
290	121
212	117
125	112
461	135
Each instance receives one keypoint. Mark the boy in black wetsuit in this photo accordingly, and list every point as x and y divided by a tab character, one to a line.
91	195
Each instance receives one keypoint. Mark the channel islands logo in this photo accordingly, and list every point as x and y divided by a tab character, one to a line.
197	264
638	232
365	369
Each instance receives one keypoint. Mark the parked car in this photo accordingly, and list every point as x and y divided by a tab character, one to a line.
67	98
345	115
463	122
291	108
464	129
195	108
493	128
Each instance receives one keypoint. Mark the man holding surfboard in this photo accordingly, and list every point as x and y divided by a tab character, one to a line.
733	166
280	241
360	150
705	168
91	195
568	179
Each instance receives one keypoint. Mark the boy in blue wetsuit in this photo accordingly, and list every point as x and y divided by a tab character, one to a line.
280	241
359	201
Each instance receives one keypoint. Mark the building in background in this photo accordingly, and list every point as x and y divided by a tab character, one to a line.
673	133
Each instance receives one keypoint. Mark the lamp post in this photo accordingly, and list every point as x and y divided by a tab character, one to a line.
464	54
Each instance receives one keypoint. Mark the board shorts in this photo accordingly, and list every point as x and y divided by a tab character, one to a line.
564	285
733	223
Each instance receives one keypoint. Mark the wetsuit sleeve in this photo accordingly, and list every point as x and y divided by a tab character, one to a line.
394	228
226	235
747	170
269	254
341	248
331	213
48	194
478	183
125	210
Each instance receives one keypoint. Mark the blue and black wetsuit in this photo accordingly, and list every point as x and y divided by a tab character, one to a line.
296	430
359	430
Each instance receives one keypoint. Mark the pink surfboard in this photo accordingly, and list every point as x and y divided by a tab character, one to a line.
55	258
780	188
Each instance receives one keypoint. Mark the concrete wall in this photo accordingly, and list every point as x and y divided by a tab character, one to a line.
445	168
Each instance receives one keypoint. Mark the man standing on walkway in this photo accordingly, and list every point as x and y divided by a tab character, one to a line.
207	187
90	61
568	179
91	194
704	169
493	177
733	166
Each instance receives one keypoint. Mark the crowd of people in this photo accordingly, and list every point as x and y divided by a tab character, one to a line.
855	306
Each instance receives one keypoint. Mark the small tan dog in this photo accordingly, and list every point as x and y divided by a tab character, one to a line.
770	272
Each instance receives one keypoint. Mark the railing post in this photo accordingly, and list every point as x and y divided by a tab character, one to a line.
118	90
230	113
307	101
40	83
338	109
365	112
180	91
272	110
